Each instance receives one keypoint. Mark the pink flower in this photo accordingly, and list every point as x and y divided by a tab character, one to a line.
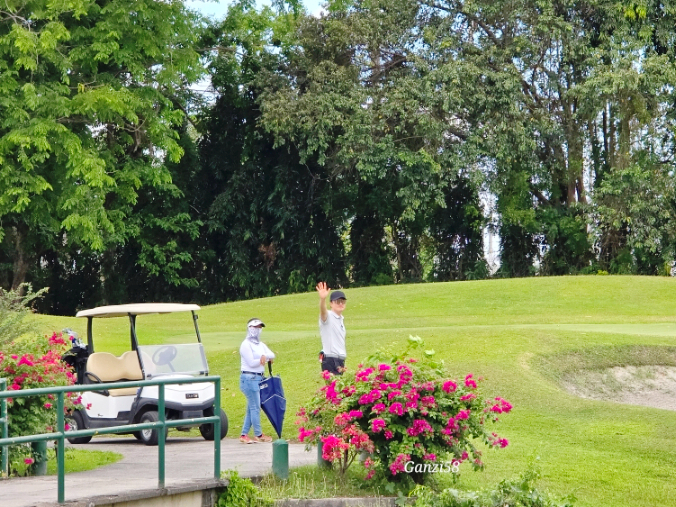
384	367
29	461
463	414
378	408
412	360
430	457
388	435
48	405
356	413
399	464
365	399
14	356
469	382
393	394
303	434
449	386
501	406
427	386
502	442
469	396
24	360
370	474
333	447
363	376
428	401
396	408
326	375
349	390
411	405
377	425
419	427
342	419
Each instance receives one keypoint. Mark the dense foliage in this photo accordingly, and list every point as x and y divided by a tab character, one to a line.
405	414
373	144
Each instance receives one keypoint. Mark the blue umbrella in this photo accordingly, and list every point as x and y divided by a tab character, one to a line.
273	401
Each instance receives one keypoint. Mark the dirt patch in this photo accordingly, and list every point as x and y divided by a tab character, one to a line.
650	386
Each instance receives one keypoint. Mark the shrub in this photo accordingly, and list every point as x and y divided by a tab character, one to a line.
30	363
15	306
514	493
241	492
403	412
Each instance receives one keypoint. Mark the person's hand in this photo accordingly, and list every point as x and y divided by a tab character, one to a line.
323	290
263	360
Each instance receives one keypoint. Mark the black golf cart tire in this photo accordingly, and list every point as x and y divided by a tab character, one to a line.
154	437
207	430
76	421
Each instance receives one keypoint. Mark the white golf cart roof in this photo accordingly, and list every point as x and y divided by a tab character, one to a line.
136	309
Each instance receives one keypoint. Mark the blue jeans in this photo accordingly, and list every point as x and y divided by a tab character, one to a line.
248	384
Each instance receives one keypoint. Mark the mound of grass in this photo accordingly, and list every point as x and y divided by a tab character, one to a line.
604	453
314	482
78	460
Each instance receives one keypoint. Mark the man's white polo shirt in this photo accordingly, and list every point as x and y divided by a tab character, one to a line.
332	333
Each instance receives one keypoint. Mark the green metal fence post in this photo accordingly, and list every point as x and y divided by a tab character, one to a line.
61	447
280	458
161	434
4	450
217	429
39	454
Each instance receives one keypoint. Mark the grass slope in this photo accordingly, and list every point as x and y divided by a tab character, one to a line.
604	453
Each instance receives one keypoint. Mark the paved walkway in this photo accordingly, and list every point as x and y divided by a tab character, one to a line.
187	460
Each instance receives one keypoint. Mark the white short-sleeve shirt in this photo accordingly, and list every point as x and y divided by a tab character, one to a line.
332	333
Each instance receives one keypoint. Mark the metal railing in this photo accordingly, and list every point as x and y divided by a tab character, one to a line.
61	433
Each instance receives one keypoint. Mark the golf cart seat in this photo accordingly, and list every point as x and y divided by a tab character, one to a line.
110	368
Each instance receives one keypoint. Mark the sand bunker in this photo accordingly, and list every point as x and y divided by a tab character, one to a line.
650	386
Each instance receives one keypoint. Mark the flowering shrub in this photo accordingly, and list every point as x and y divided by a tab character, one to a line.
404	413
31	363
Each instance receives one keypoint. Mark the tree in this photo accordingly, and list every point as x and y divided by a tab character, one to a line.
89	100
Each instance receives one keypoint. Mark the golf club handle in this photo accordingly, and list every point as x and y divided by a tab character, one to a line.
270	367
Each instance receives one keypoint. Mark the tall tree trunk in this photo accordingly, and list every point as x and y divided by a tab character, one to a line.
21	260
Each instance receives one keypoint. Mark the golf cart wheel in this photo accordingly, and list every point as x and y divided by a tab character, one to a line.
76	422
151	437
137	435
207	430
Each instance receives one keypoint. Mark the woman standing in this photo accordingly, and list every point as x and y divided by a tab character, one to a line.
253	355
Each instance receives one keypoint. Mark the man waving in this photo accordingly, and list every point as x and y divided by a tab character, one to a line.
332	329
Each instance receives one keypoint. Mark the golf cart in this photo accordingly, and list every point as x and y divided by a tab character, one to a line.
118	407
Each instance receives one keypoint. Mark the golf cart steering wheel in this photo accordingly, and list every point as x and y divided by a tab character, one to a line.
93	376
165	355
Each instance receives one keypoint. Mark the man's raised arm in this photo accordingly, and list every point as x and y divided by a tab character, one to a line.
323	291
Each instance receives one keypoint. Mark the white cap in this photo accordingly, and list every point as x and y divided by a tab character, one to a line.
255	322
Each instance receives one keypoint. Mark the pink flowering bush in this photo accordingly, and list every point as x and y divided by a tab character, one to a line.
401	411
30	363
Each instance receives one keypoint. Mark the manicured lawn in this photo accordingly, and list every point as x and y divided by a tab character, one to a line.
519	334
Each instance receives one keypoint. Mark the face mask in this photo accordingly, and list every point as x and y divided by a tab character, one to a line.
253	334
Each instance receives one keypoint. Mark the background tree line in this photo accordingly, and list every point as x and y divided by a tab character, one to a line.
353	148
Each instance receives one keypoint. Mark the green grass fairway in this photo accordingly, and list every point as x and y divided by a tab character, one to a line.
606	454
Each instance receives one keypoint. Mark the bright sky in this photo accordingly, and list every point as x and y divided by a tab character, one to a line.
216	9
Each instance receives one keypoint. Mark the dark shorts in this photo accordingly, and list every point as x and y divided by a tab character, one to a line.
331	364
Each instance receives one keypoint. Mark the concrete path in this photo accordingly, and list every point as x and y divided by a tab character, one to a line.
187	460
